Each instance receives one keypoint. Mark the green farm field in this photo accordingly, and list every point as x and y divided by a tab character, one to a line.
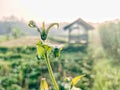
99	61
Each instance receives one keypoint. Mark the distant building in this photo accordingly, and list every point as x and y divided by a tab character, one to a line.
78	31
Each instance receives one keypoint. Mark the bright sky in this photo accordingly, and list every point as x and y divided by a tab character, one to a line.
61	10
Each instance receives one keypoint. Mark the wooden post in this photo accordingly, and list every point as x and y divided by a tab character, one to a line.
69	35
87	36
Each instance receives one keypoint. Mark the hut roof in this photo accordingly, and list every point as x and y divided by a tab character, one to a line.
79	21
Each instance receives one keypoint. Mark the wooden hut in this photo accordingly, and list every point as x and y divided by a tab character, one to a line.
78	31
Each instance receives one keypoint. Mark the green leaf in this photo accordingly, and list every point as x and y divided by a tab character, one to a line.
39	43
51	25
60	49
40	51
48	48
43	84
75	80
32	24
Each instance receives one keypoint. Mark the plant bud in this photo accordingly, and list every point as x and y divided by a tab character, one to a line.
32	24
56	52
43	35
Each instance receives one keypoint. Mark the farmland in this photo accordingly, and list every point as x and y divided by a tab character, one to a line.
20	63
21	70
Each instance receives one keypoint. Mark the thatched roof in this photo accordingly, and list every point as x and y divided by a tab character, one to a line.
79	21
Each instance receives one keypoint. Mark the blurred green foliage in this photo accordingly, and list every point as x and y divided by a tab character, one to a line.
21	68
107	75
110	38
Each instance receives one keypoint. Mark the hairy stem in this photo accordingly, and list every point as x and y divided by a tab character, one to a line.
51	72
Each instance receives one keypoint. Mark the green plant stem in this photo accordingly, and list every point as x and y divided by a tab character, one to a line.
51	72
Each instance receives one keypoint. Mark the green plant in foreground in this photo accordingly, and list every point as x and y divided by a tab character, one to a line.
43	52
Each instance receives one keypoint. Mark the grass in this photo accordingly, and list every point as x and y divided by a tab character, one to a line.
106	75
2	39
